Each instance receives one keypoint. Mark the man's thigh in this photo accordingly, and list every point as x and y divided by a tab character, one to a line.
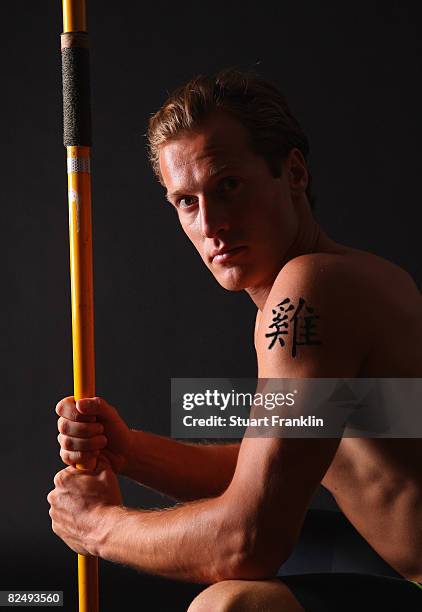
246	596
352	591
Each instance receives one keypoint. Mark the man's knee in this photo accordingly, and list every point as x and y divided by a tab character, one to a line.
220	597
244	595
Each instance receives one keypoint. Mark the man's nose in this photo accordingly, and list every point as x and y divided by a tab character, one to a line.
214	216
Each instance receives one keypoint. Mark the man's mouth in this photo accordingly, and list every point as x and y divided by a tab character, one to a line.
223	255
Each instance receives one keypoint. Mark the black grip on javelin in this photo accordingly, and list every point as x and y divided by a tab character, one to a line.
76	97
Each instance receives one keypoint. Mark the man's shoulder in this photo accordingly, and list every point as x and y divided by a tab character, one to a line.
323	279
340	276
344	301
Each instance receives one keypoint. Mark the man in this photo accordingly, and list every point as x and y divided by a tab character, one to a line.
233	161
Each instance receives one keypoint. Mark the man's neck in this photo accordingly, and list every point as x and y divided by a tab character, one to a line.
309	238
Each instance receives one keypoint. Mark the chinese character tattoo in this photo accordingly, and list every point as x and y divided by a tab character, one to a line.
304	331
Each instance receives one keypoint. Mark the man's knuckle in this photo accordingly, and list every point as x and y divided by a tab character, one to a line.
68	457
63	425
58	479
77	456
65	474
64	454
67	442
74	415
65	406
62	441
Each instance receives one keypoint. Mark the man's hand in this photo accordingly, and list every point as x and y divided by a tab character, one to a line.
88	427
79	504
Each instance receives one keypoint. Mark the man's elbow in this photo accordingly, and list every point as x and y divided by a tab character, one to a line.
251	560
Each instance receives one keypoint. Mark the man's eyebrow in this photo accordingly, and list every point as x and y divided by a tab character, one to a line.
170	195
216	169
213	171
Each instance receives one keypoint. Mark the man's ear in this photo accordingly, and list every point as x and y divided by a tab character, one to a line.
297	171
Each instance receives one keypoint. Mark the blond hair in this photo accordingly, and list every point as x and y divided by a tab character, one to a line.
257	104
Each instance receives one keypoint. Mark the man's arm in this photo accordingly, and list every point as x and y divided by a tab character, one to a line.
249	530
245	533
180	470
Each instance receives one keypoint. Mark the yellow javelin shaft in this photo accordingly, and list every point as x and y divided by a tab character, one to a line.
77	140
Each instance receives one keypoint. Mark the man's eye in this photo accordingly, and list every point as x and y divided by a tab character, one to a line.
229	183
186	201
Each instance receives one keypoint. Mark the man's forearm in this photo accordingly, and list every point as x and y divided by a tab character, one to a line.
197	542
182	471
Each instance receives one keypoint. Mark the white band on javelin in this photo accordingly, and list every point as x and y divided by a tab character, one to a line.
78	164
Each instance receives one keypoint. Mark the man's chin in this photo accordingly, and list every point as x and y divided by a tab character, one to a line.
232	280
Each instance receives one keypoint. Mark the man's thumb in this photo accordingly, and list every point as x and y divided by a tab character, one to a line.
96	406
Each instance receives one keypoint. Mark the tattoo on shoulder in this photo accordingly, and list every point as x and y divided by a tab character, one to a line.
300	321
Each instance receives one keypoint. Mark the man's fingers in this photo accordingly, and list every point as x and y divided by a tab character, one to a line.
79	430
87	410
82	444
78	457
67	409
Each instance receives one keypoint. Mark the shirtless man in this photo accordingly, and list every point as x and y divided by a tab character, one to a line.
233	161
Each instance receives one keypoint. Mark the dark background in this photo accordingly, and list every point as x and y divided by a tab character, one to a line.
351	72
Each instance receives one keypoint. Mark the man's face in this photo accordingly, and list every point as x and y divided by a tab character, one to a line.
239	217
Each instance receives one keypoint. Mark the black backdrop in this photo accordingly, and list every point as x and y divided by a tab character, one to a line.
351	72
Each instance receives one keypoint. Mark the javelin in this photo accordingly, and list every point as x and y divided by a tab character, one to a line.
77	140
